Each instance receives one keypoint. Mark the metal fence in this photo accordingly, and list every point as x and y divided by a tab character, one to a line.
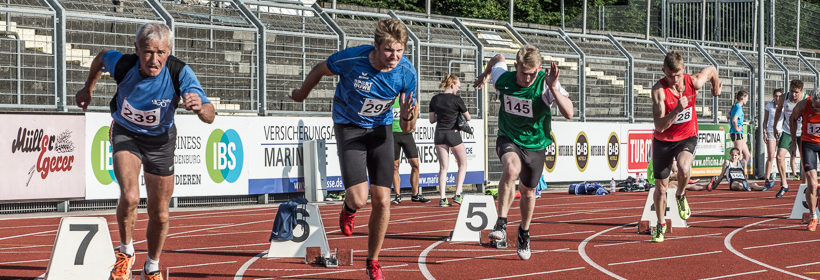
249	55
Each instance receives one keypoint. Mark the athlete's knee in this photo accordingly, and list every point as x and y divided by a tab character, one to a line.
414	164
780	157
396	165
379	203
512	170
158	216
526	192
130	199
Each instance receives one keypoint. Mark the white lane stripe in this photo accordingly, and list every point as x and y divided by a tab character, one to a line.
329	272
221	233
23	247
563	233
29	261
645	241
390	249
241	271
28	234
805	264
218	247
536	273
583	253
209	228
733	275
727	242
514	253
423	261
202	264
774	228
666	258
781	244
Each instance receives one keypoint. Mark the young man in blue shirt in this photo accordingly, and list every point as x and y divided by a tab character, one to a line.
370	79
143	134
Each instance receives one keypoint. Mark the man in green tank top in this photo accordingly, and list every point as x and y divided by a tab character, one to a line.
524	125
405	141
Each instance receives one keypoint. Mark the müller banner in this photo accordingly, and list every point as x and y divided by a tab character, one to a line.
43	157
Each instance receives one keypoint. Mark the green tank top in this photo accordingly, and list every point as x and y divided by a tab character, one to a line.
523	116
396	116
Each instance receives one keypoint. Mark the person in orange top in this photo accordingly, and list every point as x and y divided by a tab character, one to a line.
809	109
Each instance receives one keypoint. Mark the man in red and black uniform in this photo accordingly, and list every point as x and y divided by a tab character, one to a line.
809	109
676	131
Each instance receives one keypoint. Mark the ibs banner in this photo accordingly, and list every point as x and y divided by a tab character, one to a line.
275	157
209	158
43	157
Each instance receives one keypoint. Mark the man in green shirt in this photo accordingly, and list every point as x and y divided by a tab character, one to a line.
524	125
404	141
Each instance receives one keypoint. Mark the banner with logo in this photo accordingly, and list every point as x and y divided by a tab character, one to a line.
209	158
714	146
275	152
43	157
596	151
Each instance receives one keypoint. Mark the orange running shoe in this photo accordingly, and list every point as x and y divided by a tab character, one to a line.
151	276
812	224
122	267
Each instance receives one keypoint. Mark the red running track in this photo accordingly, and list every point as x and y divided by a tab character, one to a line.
740	235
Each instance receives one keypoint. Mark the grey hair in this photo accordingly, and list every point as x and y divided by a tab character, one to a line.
154	32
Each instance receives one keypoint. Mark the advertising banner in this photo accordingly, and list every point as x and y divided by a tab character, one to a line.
209	158
596	151
43	157
714	145
275	156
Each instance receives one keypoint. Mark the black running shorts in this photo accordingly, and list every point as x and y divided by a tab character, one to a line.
364	152
664	154
404	141
155	152
532	162
736	136
809	152
449	137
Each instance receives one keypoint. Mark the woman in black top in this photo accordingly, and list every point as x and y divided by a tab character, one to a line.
444	110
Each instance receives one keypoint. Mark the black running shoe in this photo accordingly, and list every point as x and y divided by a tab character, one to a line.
419	198
523	250
396	199
782	191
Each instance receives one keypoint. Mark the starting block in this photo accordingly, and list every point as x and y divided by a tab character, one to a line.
645	228
344	257
82	250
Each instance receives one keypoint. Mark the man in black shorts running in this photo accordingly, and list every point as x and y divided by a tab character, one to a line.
370	79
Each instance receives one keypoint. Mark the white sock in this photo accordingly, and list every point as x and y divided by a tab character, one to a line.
128	249
151	265
814	215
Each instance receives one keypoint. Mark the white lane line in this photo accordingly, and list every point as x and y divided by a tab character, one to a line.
727	242
423	261
390	249
241	271
23	247
514	253
536	273
563	233
221	233
209	228
733	275
781	244
774	228
583	253
805	264
28	234
202	264
330	272
667	258
218	247
645	241
29	261
738	218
